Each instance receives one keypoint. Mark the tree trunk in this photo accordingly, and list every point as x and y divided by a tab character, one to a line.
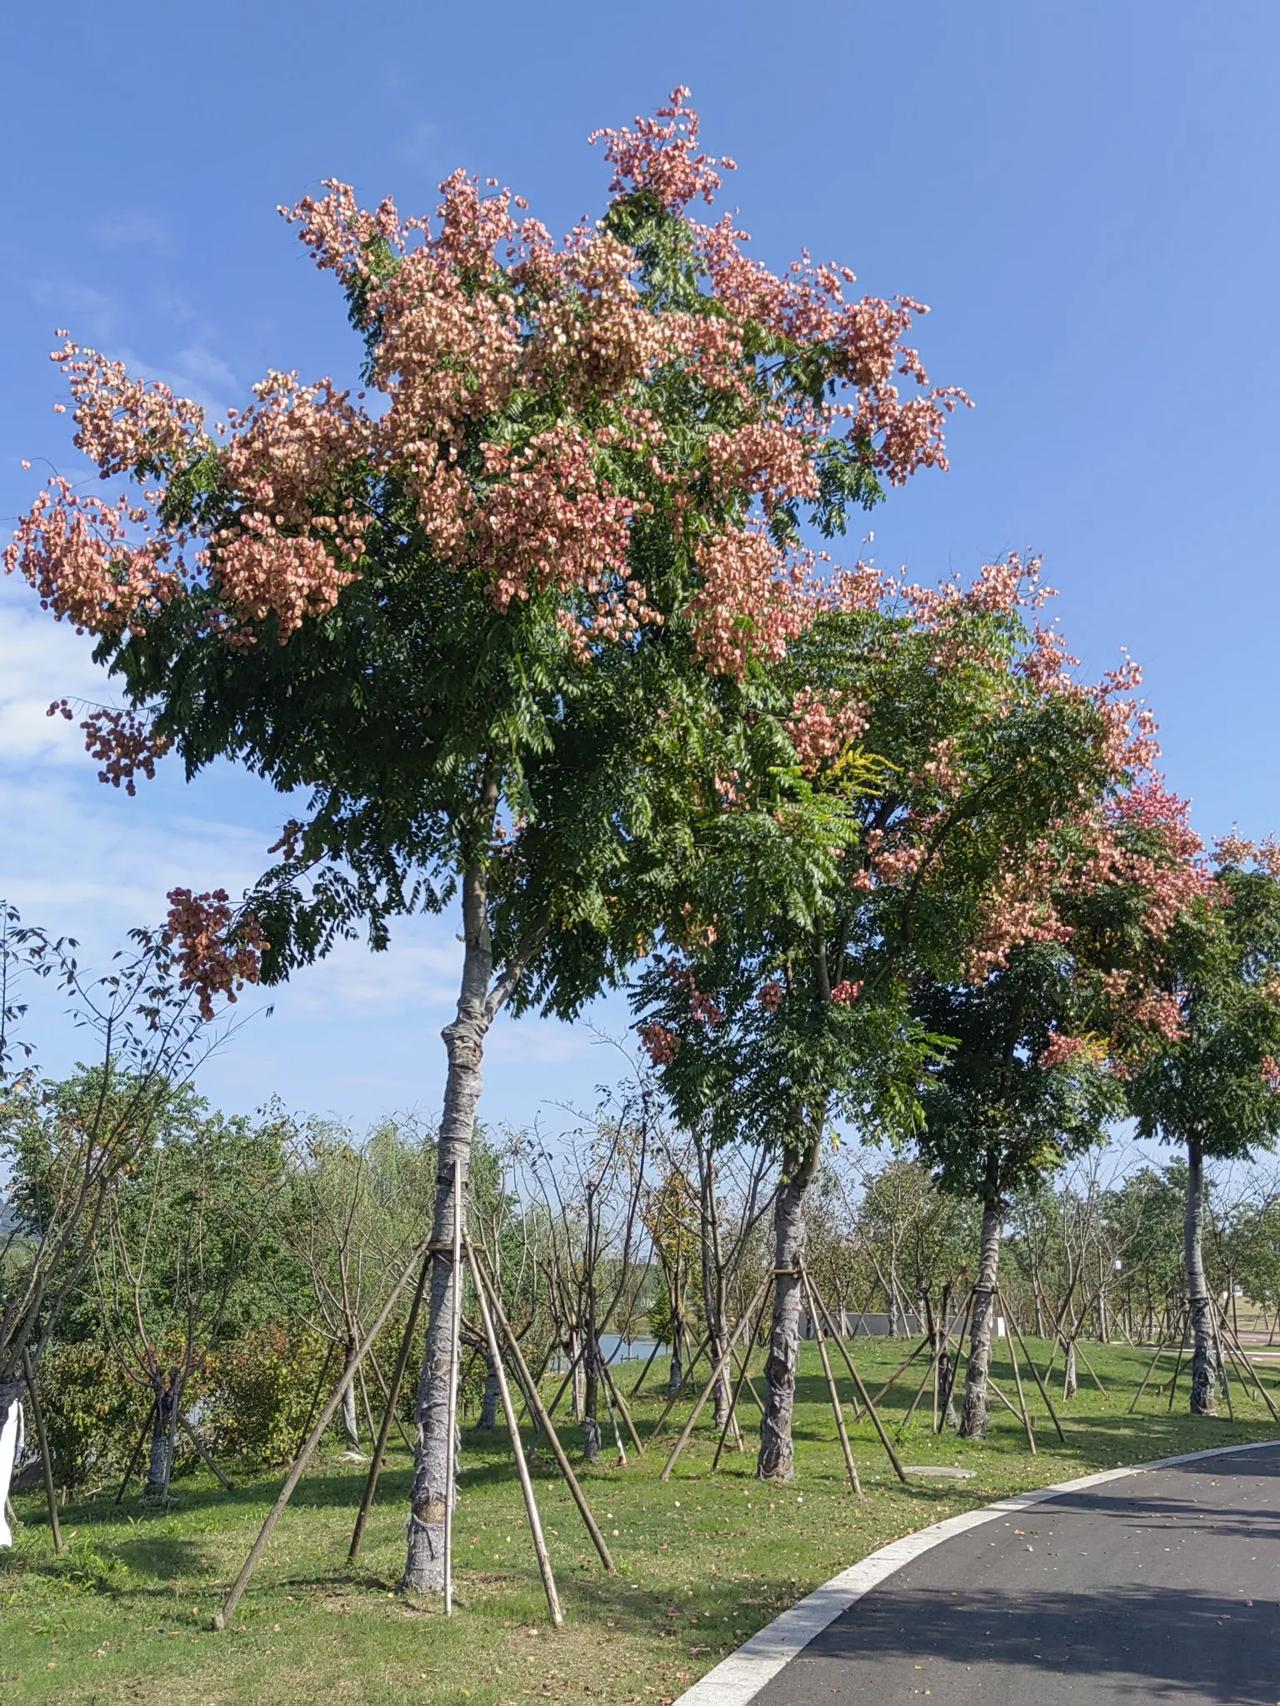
1070	1378
492	1393
578	1386
896	1323
1203	1356
350	1426
776	1460
713	1287
591	1391
464	1040
160	1459
675	1378
973	1423
11	1441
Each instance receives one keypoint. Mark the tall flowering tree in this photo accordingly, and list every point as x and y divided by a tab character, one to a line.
488	612
1041	1035
1209	1076
940	763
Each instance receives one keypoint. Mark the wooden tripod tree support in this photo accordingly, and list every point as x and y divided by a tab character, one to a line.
498	1335
522	1467
1016	1332
46	1465
825	1333
307	1451
133	1460
1225	1337
730	1420
393	1396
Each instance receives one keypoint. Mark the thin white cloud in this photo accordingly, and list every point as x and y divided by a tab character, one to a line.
132	230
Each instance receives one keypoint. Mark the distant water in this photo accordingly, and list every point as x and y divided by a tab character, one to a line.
617	1349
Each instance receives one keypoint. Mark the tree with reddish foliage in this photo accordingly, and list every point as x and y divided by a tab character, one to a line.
504	614
1207	1074
1035	1071
944	767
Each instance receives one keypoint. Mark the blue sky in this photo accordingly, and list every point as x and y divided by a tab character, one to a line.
1084	192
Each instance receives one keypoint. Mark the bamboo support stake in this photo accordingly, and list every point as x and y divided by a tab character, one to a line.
674	1398
451	1410
137	1453
37	1416
1240	1357
1044	1393
612	1387
309	1445
613	1423
897	1373
1022	1401
1080	1352
930	1369
393	1394
1177	1367
522	1467
543	1420
315	1396
385	1390
1151	1368
648	1364
721	1363
836	1406
203	1455
867	1400
737	1390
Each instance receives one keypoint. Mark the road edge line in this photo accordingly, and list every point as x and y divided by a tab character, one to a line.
737	1679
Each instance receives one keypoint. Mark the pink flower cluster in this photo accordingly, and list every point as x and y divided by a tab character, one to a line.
943	769
772	458
864	340
819	734
772	994
846	992
1234	851
551	521
659	1043
123	423
77	553
1271	1072
122	742
1160	1012
751	601
660	155
211	960
295	543
1060	1049
1018	910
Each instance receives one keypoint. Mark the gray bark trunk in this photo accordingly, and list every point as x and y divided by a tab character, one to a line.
350	1427
675	1378
591	1400
713	1291
973	1422
160	1458
776	1460
1204	1354
895	1299
1070	1379
464	1043
492	1394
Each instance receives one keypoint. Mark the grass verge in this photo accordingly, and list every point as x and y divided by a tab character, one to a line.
702	1560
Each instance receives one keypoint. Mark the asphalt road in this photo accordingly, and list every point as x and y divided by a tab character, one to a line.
1163	1586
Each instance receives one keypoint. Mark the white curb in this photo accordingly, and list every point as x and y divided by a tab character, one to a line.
738	1679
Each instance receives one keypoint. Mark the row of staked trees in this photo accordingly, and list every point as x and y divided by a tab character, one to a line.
543	625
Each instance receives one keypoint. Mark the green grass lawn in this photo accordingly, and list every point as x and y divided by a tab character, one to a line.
702	1561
